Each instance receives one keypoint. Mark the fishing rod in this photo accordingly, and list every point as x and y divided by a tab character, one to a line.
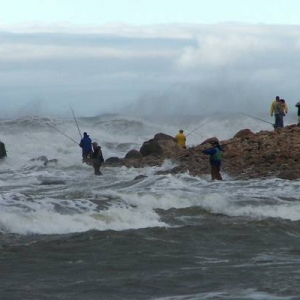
198	127
75	121
258	119
63	133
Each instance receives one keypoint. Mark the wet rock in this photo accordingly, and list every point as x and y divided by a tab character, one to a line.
244	134
263	154
209	140
133	154
289	174
163	136
140	177
40	158
114	160
53	161
165	147
2	150
151	147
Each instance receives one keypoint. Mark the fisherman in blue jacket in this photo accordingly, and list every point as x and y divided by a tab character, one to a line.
215	159
86	145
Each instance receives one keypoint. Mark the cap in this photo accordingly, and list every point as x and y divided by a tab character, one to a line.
180	130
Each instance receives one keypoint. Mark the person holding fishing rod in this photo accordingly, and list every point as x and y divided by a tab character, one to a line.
274	110
215	159
279	109
86	145
85	142
96	158
180	139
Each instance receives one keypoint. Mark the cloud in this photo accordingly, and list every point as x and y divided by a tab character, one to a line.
233	46
22	52
176	68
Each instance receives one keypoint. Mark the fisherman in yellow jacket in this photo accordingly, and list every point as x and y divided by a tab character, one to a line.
180	139
273	105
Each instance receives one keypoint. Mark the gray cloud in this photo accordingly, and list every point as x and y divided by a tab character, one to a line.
157	69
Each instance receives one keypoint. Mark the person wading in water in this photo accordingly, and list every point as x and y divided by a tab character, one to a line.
215	160
96	158
86	145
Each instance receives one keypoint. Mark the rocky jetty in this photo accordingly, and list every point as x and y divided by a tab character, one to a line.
246	155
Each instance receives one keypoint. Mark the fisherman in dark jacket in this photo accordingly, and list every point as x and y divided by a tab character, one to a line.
86	145
97	158
215	160
298	112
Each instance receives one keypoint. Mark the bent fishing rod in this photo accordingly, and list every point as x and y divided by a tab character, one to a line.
75	121
63	133
258	119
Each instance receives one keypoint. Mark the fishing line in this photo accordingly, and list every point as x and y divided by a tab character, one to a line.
198	127
63	133
258	119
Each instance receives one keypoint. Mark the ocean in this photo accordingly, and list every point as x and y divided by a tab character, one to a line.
66	234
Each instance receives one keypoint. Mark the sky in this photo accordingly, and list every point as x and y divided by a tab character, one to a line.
149	12
147	56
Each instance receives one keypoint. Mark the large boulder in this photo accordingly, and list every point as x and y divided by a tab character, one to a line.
162	145
114	161
162	136
151	147
244	134
133	154
209	140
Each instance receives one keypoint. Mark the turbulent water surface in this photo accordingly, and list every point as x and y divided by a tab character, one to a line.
67	234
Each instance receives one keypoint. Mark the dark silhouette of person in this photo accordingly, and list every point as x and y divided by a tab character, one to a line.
86	145
97	158
215	160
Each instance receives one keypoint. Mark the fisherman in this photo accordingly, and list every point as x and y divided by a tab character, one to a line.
180	139
276	109
86	145
97	158
284	106
215	159
283	111
298	113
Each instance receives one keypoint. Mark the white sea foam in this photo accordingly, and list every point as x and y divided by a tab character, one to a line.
248	294
67	197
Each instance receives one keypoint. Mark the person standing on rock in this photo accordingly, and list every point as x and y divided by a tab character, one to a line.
86	145
298	113
276	110
97	158
215	160
180	139
283	111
